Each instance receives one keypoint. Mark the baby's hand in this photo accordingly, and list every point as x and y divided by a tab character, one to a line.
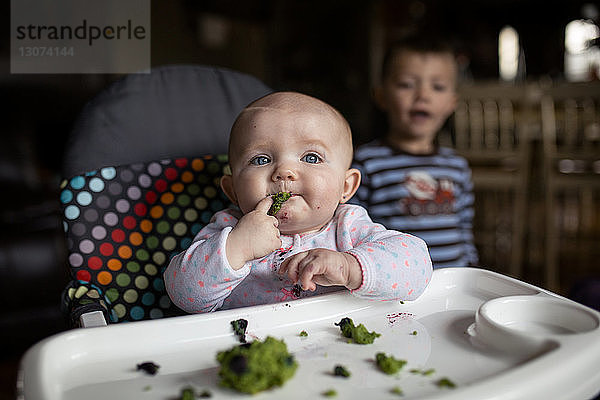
254	236
323	267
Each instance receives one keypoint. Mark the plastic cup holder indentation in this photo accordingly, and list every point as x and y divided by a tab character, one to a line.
540	315
530	323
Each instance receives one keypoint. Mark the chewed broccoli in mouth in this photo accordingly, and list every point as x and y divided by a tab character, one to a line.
278	199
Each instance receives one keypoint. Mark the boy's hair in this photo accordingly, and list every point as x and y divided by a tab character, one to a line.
418	42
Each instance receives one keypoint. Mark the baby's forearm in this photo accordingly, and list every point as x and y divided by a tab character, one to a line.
198	280
234	250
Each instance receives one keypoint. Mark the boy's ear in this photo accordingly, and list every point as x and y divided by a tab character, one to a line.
227	186
454	101
351	184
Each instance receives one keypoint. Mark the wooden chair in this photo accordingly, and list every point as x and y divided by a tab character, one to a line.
493	128
571	147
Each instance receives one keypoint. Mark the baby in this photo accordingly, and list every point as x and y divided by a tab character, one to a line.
290	142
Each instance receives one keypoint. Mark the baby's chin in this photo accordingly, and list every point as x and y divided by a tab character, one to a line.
296	217
289	227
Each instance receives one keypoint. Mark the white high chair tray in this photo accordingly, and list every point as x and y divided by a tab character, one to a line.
494	337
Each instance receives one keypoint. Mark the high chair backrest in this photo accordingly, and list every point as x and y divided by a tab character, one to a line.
124	223
142	178
174	111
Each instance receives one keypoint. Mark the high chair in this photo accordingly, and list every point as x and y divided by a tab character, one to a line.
493	129
142	173
571	147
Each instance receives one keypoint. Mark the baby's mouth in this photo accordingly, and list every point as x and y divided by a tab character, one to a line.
281	191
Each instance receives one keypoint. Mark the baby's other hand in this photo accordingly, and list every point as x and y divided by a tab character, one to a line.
323	267
254	236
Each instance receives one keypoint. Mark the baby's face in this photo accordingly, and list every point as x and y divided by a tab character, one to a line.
419	93
306	153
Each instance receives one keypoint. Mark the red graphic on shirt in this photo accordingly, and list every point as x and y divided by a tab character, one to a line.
427	196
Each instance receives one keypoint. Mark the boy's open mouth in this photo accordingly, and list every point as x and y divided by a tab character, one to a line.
420	114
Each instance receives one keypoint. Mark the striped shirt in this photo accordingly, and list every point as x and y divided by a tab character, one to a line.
429	196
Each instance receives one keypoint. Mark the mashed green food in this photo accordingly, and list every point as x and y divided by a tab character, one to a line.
278	200
253	367
359	334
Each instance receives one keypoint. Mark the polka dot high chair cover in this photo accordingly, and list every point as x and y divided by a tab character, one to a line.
124	223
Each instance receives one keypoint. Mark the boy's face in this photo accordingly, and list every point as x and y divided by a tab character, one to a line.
305	153
418	94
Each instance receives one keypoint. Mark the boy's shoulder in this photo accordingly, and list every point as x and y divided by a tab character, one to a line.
447	151
451	154
373	149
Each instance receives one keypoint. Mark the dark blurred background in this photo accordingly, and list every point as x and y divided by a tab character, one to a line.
330	49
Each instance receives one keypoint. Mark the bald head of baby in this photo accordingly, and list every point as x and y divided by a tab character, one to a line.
293	113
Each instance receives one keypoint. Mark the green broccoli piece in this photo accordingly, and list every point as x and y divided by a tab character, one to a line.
187	394
445	383
388	364
359	334
239	328
278	199
148	367
340	370
397	390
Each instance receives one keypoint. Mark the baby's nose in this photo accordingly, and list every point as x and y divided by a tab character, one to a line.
284	174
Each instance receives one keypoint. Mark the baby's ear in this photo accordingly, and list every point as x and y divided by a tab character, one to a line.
227	186
351	184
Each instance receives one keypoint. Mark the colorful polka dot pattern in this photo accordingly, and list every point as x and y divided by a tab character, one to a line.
123	224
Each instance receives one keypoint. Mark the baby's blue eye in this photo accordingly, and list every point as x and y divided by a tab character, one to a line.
260	160
311	158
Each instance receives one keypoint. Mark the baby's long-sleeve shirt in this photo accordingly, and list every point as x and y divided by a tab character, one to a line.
395	265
